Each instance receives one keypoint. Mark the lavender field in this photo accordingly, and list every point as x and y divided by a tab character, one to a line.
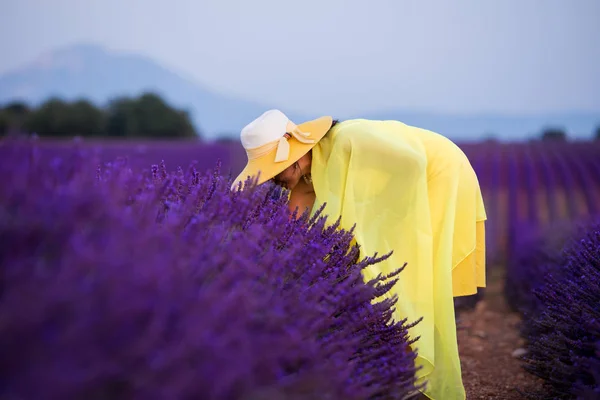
530	186
526	186
181	252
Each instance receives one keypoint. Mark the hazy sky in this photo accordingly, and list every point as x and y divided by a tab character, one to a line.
341	56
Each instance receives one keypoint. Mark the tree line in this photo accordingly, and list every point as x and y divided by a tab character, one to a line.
557	134
145	116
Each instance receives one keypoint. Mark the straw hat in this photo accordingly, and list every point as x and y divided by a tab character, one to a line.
273	143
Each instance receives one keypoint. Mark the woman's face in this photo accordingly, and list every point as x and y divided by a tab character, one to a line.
291	176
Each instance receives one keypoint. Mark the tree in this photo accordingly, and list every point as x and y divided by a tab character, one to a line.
86	119
147	116
598	133
17	108
13	116
554	134
120	120
49	119
4	123
56	117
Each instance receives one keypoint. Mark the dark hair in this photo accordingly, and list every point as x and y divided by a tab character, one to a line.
333	123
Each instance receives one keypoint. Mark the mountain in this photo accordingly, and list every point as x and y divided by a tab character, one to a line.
98	74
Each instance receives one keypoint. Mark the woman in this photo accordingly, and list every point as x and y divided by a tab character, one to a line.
406	189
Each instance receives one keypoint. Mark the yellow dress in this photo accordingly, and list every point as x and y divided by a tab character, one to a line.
412	191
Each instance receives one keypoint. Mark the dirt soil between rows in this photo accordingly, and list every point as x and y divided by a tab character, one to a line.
488	336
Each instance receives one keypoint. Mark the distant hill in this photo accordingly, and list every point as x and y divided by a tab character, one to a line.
98	74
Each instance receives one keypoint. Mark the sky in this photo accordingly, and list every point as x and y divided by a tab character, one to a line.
463	56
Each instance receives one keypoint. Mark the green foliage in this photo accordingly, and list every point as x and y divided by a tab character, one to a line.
147	116
3	123
53	118
554	134
17	108
12	116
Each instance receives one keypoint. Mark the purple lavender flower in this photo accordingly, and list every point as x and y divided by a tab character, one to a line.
169	285
563	333
535	252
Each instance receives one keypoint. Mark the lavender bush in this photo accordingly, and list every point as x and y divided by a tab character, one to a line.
141	154
592	364
116	285
564	333
535	252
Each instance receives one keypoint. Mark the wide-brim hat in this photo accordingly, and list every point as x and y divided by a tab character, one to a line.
273	142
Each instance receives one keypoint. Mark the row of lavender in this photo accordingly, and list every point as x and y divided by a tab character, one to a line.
117	284
532	191
543	200
553	280
530	186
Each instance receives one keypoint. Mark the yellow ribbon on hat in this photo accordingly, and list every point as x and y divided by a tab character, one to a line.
282	144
